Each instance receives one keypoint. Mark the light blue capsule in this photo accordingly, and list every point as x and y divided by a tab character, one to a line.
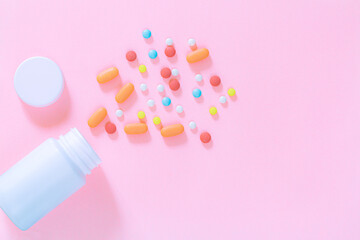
153	54
146	33
196	93
166	101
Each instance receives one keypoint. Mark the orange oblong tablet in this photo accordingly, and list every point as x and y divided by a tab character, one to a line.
172	130
197	55
107	75
97	117
135	128
124	93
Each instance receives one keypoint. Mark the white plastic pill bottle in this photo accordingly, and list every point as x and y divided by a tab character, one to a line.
47	176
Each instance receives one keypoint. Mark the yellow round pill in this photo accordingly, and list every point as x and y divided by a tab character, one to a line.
156	120
231	92
213	110
141	115
142	68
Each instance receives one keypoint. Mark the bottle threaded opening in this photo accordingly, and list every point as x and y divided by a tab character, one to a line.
79	151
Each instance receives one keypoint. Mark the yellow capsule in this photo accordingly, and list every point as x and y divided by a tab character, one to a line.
142	68
156	120
231	92
213	110
141	115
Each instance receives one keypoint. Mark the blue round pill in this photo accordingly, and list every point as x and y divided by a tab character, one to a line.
152	54
146	33
196	93
166	101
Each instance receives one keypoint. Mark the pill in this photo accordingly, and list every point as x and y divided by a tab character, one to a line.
151	103
153	54
197	55
165	72
205	137
107	75
141	115
174	84
192	125
192	44
196	93
135	128
170	51
213	110
172	130
231	92
215	81
166	101
222	99
124	93
146	33
131	56
175	72
143	87
156	120
198	77
179	109
97	117
110	128
160	88
142	68
119	113
169	41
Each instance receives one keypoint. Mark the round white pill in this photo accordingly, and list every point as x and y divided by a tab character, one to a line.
160	88
192	125
175	72
191	42
169	42
179	109
119	113
143	87
151	103
198	77
222	99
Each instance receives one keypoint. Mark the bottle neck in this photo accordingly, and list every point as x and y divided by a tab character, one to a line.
79	150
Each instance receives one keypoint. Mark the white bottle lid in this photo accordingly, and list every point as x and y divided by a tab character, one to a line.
38	81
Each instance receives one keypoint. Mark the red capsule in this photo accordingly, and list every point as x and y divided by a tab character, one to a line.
205	137
170	51
110	128
165	72
131	56
174	84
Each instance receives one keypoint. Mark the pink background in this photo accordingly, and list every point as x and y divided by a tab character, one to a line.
284	161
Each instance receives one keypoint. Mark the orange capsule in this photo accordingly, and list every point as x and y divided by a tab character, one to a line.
172	130
197	55
107	75
97	117
135	128
124	93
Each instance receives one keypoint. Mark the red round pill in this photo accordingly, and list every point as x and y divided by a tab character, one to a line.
110	128
130	56
174	84
170	51
215	80
205	137
165	72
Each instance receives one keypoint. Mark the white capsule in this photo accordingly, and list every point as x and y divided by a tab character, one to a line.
179	109
175	72
143	87
119	113
151	103
169	42
198	77
222	99
191	42
192	125
160	88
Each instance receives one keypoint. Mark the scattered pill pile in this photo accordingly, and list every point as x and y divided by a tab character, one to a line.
171	76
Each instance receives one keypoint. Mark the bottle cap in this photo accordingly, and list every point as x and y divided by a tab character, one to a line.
38	81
